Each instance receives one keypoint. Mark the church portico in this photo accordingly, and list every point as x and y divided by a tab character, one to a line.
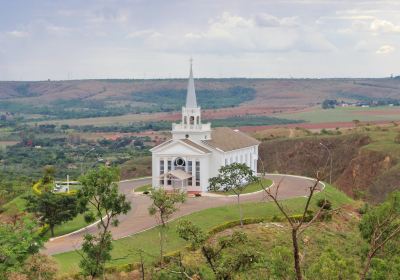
196	151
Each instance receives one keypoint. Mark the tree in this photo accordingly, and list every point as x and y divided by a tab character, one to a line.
163	206
297	223
48	175
379	226
17	242
222	265
100	190
52	209
233	177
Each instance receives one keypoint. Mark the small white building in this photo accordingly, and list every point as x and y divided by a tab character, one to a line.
196	151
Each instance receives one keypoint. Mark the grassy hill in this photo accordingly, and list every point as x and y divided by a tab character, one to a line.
106	98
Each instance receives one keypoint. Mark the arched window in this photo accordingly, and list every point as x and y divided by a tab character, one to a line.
179	163
191	120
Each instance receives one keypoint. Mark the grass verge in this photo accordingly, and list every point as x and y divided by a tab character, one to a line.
126	250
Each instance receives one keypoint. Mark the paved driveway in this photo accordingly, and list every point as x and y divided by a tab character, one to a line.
138	219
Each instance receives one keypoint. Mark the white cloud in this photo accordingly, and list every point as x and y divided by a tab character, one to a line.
18	34
267	20
385	49
230	34
384	26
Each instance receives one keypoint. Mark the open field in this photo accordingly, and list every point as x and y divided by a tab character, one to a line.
126	250
318	115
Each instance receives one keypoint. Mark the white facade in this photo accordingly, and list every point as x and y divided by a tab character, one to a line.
196	152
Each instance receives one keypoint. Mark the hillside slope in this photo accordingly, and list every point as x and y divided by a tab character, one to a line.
365	165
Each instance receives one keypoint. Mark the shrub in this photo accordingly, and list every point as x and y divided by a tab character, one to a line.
324	203
197	194
363	209
231	224
297	218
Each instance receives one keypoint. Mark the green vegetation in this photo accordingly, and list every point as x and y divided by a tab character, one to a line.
100	189
249	188
125	250
143	188
173	100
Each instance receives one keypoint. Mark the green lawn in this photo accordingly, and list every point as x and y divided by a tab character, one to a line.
253	187
126	250
144	188
70	226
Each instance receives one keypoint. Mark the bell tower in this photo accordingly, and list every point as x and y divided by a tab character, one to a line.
191	126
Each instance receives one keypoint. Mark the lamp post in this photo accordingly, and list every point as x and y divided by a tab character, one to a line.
92	149
330	156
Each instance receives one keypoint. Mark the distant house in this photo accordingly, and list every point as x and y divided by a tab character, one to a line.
196	151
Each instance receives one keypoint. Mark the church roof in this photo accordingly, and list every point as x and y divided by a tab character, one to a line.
195	145
226	139
191	101
186	141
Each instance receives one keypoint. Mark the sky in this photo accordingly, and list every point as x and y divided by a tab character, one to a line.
85	39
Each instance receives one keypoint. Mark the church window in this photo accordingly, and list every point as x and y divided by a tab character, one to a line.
197	173
189	170
169	165
162	171
226	161
184	120
191	120
179	163
197	120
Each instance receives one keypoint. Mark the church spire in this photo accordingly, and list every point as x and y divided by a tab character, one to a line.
191	93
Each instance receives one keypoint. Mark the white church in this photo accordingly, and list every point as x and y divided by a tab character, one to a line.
196	151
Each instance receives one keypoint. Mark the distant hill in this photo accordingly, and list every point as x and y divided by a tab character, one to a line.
96	98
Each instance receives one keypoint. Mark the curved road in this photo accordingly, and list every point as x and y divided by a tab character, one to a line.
138	219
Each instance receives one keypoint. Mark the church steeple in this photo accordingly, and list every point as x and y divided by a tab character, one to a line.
191	101
191	126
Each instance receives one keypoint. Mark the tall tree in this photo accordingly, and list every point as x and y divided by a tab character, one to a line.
100	190
233	177
52	209
163	206
379	226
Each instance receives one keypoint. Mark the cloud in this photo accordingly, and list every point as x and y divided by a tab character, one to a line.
18	34
385	49
384	26
267	20
231	34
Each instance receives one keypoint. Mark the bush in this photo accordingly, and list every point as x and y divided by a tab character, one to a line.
197	194
324	203
363	209
297	218
171	256
231	224
276	218
122	267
